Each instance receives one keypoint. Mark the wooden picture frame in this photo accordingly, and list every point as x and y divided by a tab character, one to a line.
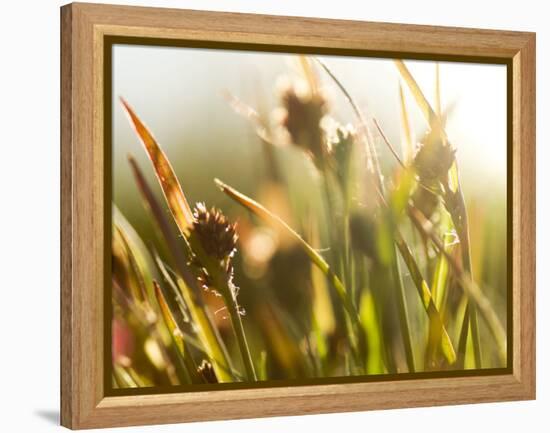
84	28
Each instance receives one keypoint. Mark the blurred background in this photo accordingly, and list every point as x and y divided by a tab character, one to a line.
178	92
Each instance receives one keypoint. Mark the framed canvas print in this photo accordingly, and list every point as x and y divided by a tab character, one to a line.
269	216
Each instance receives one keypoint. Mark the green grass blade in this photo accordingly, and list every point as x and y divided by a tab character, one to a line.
262	366
123	378
373	164
425	107
139	262
261	212
403	314
465	281
456	209
264	214
188	287
209	336
369	319
438	328
439	280
177	336
135	271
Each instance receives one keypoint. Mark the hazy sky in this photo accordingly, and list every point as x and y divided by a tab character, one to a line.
178	93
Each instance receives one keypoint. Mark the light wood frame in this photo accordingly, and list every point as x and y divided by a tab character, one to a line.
83	401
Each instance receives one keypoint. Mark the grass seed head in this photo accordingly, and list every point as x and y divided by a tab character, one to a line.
434	158
303	111
217	235
203	278
341	142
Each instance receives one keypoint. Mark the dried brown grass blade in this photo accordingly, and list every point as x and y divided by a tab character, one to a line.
165	173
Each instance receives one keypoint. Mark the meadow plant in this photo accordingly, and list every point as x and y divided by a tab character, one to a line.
392	289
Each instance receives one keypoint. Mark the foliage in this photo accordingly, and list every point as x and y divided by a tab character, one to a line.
392	290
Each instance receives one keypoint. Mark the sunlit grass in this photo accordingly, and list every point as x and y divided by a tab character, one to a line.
372	274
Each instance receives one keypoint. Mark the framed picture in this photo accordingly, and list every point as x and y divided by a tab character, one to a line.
267	216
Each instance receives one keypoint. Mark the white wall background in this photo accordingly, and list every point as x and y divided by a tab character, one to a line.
29	215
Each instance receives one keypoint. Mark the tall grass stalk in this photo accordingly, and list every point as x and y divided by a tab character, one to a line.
186	283
470	288
454	198
374	163
261	212
438	333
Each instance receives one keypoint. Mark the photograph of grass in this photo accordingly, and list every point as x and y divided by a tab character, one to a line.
289	219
